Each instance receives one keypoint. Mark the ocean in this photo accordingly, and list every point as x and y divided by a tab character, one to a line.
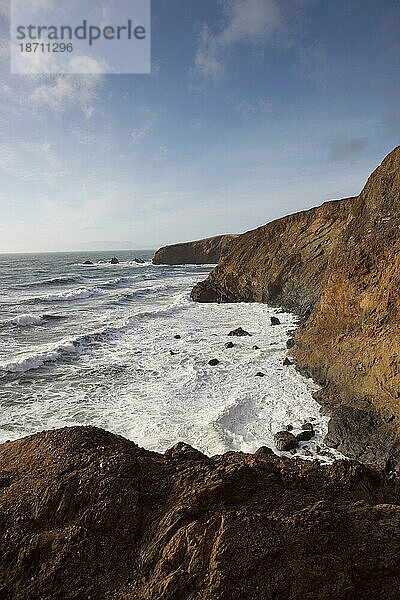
96	345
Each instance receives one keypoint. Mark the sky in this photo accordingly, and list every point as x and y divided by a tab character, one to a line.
254	109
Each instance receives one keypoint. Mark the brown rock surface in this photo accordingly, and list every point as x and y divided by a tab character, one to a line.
201	252
338	266
87	514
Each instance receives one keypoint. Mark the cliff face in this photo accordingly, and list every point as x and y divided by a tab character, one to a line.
88	514
338	266
201	252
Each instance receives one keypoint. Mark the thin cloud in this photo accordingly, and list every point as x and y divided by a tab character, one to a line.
146	121
65	91
250	22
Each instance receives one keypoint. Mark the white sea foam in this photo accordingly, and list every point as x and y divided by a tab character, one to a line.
128	373
69	295
24	320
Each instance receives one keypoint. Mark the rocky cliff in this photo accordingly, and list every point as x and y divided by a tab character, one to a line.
87	514
201	252
338	266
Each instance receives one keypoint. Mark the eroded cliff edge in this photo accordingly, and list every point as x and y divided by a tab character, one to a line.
337	265
200	252
87	514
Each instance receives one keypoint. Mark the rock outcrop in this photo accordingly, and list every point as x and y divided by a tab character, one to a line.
338	266
88	514
201	252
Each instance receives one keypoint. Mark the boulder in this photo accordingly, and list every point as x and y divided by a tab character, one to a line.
290	343
307	426
289	427
88	263
229	345
305	436
213	362
275	321
139	261
239	332
285	441
114	261
287	362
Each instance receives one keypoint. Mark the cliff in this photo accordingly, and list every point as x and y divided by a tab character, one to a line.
338	266
88	514
201	252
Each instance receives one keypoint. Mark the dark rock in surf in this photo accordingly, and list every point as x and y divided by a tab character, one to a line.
287	362
275	321
289	428
259	374
229	345
213	362
114	261
290	343
256	348
285	441
305	436
307	426
88	263
178	337
139	261
239	332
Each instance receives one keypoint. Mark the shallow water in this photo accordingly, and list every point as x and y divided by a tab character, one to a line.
92	346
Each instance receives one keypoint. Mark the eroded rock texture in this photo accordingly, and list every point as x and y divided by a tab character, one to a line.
201	252
88	514
338	266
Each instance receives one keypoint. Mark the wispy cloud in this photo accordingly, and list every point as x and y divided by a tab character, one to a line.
313	64
65	91
251	22
32	162
146	120
249	109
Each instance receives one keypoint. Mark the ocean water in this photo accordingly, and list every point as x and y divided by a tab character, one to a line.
96	345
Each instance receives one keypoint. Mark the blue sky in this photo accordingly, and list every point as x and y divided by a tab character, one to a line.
254	109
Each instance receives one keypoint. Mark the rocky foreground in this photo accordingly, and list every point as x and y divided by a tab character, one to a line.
338	266
200	252
86	514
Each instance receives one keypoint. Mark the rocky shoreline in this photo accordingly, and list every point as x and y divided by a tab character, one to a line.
337	267
88	514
